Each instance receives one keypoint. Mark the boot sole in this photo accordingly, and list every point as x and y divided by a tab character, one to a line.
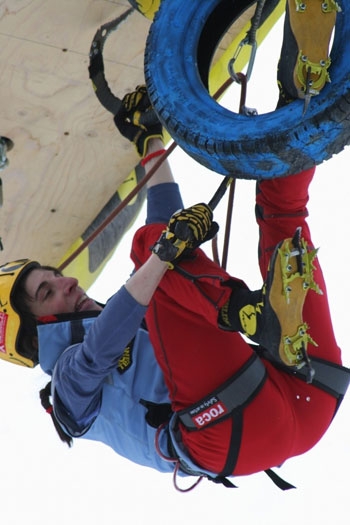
287	305
312	29
289	287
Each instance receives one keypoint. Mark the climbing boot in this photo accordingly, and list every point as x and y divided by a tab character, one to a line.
304	62
272	316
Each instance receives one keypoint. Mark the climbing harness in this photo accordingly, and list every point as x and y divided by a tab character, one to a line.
230	399
231	396
329	377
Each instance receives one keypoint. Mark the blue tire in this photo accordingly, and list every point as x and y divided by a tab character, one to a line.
180	44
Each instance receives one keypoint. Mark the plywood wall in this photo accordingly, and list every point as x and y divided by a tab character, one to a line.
68	157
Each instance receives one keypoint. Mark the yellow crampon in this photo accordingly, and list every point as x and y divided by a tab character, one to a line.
312	23
295	347
297	279
305	267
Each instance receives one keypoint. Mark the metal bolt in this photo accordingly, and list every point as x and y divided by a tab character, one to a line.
5	145
3	149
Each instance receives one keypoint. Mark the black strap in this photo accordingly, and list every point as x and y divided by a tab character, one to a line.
227	401
330	377
96	66
279	482
235	445
157	413
77	331
239	390
231	396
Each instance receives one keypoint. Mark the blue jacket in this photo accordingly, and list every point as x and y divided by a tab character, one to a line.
97	384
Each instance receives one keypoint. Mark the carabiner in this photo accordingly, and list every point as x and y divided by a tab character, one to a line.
231	70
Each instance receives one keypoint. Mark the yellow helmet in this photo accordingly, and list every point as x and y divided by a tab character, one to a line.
10	321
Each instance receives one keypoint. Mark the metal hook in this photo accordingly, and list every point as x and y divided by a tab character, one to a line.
231	63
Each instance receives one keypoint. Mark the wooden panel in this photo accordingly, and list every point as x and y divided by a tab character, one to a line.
68	158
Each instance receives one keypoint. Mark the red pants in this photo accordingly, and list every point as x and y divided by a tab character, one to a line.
288	416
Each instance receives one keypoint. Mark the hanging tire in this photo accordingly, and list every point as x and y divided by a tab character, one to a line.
179	49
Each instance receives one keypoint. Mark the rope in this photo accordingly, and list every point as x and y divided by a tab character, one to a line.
118	209
255	22
97	71
228	224
173	460
213	203
131	195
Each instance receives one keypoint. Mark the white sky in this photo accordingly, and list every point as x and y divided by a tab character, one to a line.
43	482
